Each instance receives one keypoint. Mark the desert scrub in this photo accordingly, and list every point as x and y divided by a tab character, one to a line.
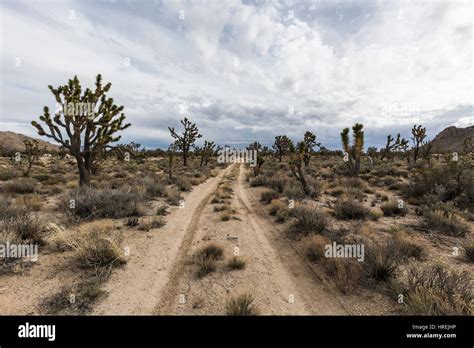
393	209
156	222
469	252
87	203
236	263
314	247
308	220
241	305
99	248
206	257
173	196
350	210
183	183
269	195
276	206
431	289
446	221
19	224
21	186
152	187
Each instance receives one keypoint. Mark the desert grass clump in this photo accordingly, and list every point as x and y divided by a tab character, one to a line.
431	289
469	252
446	221
22	226
173	196
308	220
350	210
393	209
314	246
382	259
21	186
294	191
152	187
269	195
236	263
241	305
156	222
99	248
206	257
183	183
89	203
276	206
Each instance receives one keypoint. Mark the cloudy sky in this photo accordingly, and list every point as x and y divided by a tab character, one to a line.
246	70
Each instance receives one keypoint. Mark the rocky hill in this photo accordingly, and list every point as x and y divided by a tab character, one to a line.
451	139
11	142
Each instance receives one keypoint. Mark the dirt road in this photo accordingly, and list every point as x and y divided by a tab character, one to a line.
159	277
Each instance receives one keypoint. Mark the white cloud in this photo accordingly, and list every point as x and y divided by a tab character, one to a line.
386	64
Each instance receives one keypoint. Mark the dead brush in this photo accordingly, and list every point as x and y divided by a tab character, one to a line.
429	289
156	222
99	248
308	220
205	258
241	305
236	263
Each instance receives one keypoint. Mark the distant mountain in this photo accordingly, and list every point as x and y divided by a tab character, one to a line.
451	139
11	142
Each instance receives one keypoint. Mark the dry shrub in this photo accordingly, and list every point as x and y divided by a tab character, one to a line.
446	221
241	305
393	209
269	195
99	248
314	246
173	196
308	220
236	263
21	186
429	289
92	203
350	210
205	258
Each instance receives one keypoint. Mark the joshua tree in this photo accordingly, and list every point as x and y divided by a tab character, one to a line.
353	153
309	141
170	152
256	169
281	145
255	146
425	151
33	152
90	119
185	141
418	136
296	166
206	152
392	145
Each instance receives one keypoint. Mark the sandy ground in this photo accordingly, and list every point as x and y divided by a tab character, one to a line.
277	277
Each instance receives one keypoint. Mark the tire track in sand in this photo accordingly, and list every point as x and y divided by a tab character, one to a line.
147	280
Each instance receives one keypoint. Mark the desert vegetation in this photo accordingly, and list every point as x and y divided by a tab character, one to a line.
394	222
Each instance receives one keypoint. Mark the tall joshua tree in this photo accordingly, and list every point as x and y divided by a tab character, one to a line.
281	146
393	145
296	166
307	145
206	152
33	152
84	123
187	139
418	136
353	153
